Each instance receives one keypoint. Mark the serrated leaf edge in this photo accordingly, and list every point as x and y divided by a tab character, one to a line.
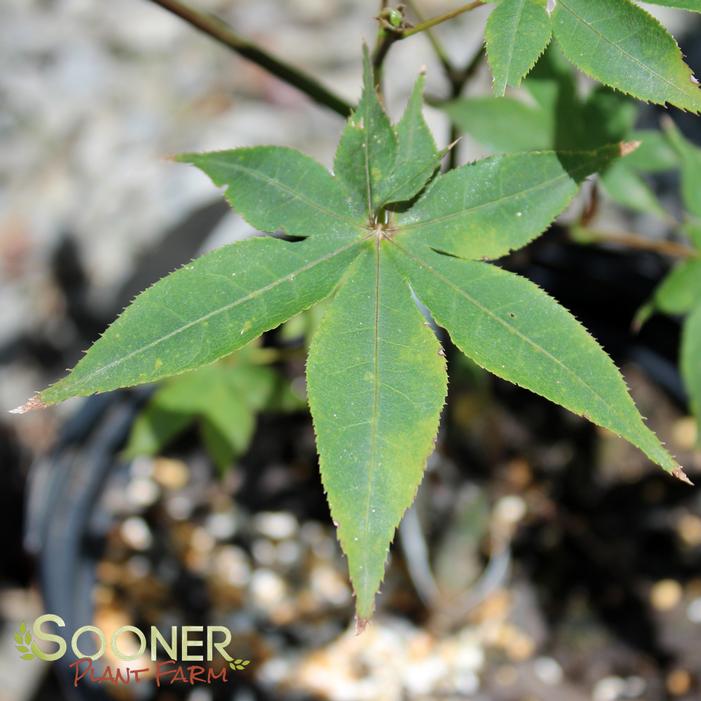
500	92
630	94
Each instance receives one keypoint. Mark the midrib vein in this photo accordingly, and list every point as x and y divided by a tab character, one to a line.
372	466
619	48
215	312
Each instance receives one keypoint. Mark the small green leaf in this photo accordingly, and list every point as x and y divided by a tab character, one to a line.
517	33
621	45
154	429
18	638
207	309
680	291
377	382
606	118
691	361
491	121
488	208
552	81
22	648
691	5
690	156
654	155
368	147
227	427
280	189
510	327
222	397
627	188
28	656
23	628
417	156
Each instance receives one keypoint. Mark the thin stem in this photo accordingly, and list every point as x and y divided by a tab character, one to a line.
457	85
438	47
224	34
637	242
439	19
385	39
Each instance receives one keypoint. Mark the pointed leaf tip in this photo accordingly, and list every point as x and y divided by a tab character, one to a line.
360	625
29	405
679	473
628	147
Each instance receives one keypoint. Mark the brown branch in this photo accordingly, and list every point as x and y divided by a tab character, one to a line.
636	242
224	34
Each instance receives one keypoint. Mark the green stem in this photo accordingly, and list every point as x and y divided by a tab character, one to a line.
438	48
224	34
433	21
385	39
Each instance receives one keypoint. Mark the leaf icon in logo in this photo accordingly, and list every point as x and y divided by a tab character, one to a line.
23	641
239	664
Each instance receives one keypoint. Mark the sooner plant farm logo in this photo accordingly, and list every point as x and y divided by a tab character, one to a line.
181	646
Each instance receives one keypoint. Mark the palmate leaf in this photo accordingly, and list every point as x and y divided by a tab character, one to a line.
517	33
619	44
377	383
376	374
510	327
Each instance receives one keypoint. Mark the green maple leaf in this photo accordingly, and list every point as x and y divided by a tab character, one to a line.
221	399
616	42
517	33
376	374
619	44
558	118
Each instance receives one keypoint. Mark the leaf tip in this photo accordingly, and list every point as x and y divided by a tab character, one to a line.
360	624
452	145
31	404
679	473
628	147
